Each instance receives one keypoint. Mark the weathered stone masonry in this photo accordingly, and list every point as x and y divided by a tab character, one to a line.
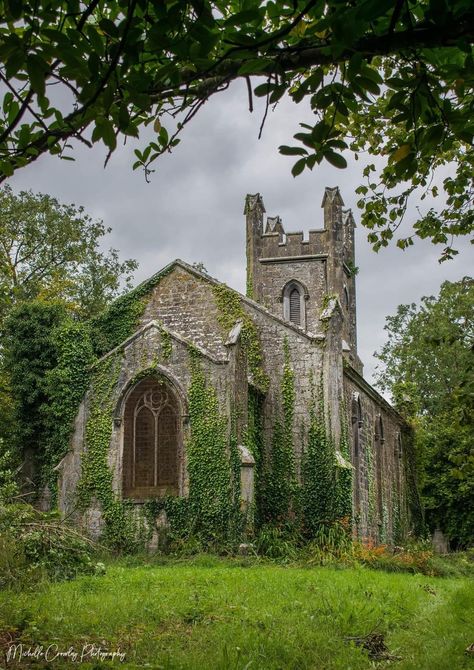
302	298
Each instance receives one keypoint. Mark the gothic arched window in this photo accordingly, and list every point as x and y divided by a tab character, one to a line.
151	440
294	297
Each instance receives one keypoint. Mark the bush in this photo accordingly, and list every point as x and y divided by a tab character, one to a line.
278	543
35	546
8	485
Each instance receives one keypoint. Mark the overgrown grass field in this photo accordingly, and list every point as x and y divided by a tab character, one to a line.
210	613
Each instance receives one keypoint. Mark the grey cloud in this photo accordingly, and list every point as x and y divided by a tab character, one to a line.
193	206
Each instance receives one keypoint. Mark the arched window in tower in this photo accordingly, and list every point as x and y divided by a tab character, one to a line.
151	440
294	296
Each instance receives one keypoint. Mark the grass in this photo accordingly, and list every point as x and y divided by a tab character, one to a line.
222	614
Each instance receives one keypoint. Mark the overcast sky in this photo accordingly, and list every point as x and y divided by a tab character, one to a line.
192	209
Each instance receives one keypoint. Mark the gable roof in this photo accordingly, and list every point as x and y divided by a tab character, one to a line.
157	325
148	284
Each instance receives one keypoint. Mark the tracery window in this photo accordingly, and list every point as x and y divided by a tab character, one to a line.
151	440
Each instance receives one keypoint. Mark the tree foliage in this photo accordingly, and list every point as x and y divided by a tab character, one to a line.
52	251
392	78
429	370
29	353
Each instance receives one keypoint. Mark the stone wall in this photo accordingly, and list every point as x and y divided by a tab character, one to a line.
148	348
380	465
306	355
181	313
185	304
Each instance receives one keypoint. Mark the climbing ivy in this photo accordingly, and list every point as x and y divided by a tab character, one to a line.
279	476
415	506
123	528
344	474
65	385
372	491
166	344
230	308
48	355
255	444
319	499
212	455
121	319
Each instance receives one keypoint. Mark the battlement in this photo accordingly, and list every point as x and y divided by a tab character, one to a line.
270	241
280	244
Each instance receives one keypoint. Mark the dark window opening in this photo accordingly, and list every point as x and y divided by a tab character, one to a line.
151	438
295	306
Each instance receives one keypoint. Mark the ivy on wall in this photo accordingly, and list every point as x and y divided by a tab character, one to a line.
326	484
230	308
371	487
121	319
278	482
65	386
255	443
210	454
210	516
95	485
48	355
166	344
344	474
413	497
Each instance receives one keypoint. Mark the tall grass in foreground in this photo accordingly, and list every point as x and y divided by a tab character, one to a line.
211	613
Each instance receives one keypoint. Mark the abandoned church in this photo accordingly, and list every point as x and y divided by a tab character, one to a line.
210	413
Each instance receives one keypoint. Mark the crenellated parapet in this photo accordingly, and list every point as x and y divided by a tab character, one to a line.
281	244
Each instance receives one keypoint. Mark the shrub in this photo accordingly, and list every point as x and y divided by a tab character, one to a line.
278	543
35	546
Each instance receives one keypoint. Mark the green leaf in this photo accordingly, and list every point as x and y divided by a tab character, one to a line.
291	151
368	85
401	153
263	89
15	8
254	66
37	69
108	134
335	159
298	167
109	28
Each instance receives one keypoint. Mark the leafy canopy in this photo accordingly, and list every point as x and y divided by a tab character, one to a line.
52	252
393	78
428	367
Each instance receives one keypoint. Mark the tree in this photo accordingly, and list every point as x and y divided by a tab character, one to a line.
52	251
428	367
393	78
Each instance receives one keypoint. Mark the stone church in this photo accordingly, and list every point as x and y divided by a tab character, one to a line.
300	311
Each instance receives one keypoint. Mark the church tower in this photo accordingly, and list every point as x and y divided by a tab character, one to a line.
295	277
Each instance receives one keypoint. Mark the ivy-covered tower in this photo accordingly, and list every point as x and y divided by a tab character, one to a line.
294	277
